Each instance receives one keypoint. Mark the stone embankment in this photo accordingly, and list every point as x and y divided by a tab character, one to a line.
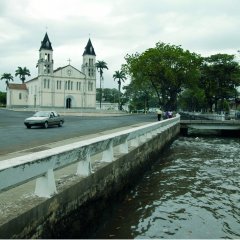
76	181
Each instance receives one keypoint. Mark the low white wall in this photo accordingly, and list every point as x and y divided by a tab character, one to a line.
18	170
211	116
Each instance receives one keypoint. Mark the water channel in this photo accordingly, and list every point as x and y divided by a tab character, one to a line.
192	191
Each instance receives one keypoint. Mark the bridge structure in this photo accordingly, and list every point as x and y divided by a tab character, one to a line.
43	191
232	126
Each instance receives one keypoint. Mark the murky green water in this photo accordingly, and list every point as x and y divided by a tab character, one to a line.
193	191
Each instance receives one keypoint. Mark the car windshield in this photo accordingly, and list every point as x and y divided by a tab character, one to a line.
41	114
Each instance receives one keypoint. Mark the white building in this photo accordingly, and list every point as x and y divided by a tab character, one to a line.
64	87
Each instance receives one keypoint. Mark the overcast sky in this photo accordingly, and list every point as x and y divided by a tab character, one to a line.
116	28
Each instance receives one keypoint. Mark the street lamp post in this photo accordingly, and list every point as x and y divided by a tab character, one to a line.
100	94
101	79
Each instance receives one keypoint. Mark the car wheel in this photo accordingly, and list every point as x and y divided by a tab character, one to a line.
28	126
60	124
46	125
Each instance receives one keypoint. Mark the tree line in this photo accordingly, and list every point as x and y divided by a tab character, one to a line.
177	78
108	94
21	72
169	77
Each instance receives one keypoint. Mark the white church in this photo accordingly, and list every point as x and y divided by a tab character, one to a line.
64	87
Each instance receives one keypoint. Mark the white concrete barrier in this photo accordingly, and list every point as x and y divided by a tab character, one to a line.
210	116
21	169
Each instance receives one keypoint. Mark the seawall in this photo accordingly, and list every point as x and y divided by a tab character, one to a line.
86	196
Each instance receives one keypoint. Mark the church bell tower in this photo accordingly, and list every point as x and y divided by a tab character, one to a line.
89	59
45	61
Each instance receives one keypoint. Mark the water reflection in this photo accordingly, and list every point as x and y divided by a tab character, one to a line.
193	191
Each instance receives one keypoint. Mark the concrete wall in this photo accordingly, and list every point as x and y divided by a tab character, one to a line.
50	218
17	98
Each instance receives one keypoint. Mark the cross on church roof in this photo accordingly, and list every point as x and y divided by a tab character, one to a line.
69	61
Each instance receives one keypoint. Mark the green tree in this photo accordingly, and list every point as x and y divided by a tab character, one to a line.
100	65
7	77
3	98
140	98
192	99
166	68
220	76
22	73
121	76
110	95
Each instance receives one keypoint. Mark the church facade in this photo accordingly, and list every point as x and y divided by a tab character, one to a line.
64	87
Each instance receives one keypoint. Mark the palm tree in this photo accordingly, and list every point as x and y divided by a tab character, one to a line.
7	77
100	65
22	72
120	75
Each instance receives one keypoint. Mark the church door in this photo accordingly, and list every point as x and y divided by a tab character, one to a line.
68	103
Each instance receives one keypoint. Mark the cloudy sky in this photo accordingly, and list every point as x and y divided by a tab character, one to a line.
116	28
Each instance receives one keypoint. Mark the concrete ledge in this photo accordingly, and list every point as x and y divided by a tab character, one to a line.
48	218
73	111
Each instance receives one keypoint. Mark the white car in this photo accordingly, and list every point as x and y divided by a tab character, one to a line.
44	119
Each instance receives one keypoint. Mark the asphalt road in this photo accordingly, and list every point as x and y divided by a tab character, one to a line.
14	136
